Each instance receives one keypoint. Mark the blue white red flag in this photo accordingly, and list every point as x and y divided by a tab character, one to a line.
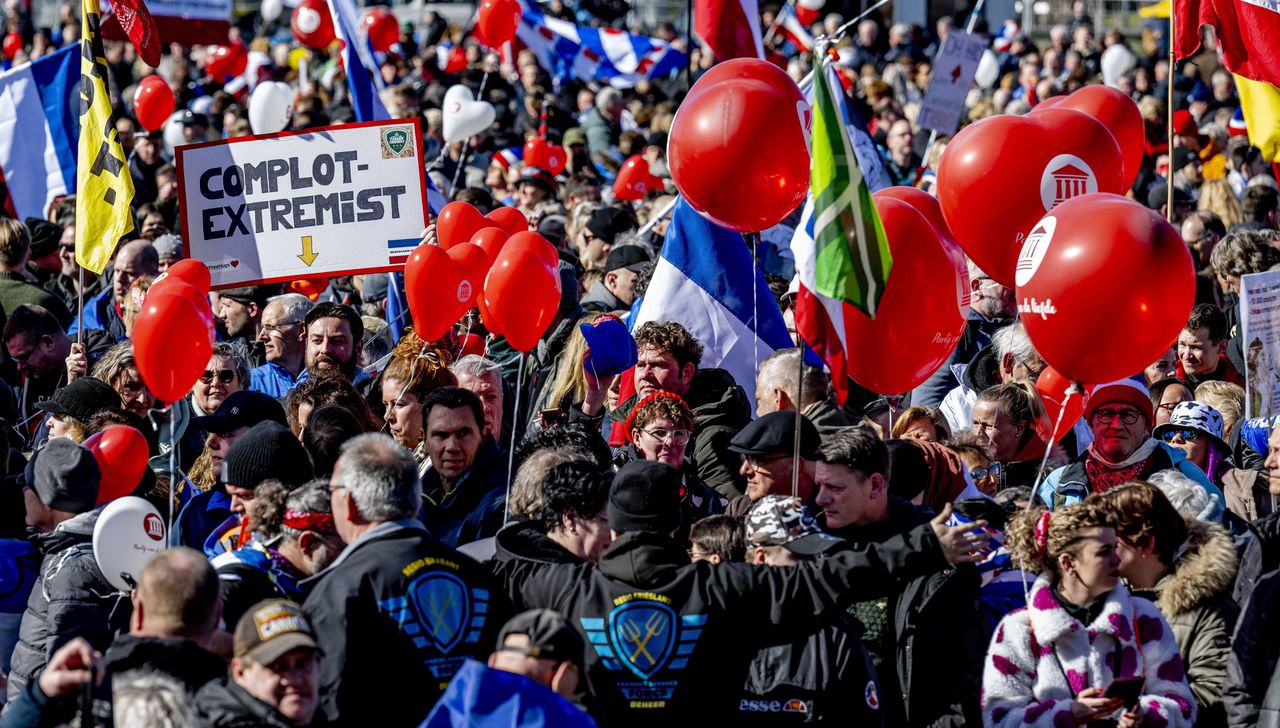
570	51
39	106
363	79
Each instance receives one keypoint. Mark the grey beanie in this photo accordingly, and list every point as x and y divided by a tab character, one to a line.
64	476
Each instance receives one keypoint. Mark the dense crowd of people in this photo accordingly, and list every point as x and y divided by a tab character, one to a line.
372	527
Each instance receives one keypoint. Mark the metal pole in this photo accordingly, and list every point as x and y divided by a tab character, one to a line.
1168	214
795	452
466	146
688	32
511	456
80	309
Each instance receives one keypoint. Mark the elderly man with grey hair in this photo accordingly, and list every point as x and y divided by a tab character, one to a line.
281	334
1009	356
776	391
603	124
397	613
483	378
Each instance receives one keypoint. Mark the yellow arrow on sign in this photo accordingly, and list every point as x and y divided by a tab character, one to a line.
307	256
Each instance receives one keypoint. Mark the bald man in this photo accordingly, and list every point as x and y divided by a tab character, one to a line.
133	260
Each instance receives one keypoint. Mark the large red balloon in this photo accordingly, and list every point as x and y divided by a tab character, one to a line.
737	147
312	24
457	222
191	271
509	219
224	62
438	295
473	266
381	27
1053	387
490	241
913	333
998	177
536	244
180	288
497	21
635	180
543	154
521	294
121	453
1105	285
13	44
172	342
152	102
1119	114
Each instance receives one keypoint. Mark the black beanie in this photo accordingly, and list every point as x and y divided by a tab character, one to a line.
64	476
267	451
645	496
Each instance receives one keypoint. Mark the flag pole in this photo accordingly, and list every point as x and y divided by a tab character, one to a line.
80	309
511	455
773	27
795	452
688	56
1168	212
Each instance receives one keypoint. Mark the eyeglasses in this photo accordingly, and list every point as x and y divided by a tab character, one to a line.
277	328
226	376
679	437
994	470
1107	416
756	463
1168	406
1186	433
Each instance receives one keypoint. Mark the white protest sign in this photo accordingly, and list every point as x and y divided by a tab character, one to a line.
1260	342
322	202
953	69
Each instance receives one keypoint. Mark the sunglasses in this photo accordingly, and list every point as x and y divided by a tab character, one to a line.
994	470
226	376
1186	433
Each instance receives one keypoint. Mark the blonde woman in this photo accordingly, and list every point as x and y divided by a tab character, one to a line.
568	382
1216	196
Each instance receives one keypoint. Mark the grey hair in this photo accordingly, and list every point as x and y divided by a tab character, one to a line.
293	306
606	97
150	699
474	365
238	353
113	362
635	239
272	498
1188	497
382	477
1241	253
778	371
1013	339
525	500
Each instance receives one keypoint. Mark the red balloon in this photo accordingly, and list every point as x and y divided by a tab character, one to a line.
457	222
490	240
225	62
191	271
912	334
498	20
1118	113
13	45
381	27
312	24
927	205
172	342
121	453
437	293
1053	387
472	344
544	155
635	180
998	177
473	265
152	102
509	219
536	244
1105	285
522	294
737	147
186	291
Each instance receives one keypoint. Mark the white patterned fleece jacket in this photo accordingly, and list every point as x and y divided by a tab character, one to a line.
1024	684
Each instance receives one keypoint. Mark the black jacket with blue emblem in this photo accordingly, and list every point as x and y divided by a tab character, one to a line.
670	641
395	617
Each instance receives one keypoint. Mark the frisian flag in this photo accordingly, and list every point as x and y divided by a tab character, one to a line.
39	103
568	51
841	251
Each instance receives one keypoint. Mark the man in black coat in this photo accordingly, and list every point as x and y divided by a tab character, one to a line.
671	640
465	492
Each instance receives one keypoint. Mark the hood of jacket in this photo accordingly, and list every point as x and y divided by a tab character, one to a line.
75	530
1205	570
183	659
223	704
526	540
641	559
600	297
983	370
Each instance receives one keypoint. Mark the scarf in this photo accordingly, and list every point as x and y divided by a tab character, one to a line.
1104	475
946	475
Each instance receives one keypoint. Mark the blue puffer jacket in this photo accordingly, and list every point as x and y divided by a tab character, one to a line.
19	567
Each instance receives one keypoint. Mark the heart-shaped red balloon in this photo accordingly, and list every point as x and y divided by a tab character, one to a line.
509	219
1118	113
223	62
522	295
437	292
635	180
998	177
927	205
536	244
457	222
490	241
474	265
544	155
121	453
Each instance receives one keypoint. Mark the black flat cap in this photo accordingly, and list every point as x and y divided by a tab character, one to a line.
775	434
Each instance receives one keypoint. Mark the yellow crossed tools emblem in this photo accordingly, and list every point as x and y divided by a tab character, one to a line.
631	633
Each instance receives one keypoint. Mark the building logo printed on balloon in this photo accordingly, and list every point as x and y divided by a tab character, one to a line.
153	527
1066	176
1033	250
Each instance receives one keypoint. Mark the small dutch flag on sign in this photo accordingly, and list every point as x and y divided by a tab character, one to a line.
398	250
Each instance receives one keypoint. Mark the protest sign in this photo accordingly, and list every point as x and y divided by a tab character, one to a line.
1260	339
322	202
945	100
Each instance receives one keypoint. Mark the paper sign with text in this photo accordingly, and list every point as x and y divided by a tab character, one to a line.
1260	341
322	202
945	100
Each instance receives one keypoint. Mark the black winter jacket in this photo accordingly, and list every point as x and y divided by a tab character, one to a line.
1252	691
181	659
671	641
474	509
395	617
223	704
1261	555
527	540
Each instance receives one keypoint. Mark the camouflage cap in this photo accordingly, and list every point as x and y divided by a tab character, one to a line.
777	520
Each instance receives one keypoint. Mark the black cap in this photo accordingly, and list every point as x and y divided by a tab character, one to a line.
540	177
45	236
645	496
64	476
82	399
251	294
267	451
775	434
551	637
191	118
608	223
1183	157
241	409
631	257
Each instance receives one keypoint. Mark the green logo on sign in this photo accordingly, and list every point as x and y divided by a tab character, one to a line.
396	142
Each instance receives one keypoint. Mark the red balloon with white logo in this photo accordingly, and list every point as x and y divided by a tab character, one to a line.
737	148
1119	113
998	177
1104	287
312	24
381	27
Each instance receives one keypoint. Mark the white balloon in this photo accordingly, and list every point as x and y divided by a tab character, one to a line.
463	115
270	107
129	533
812	4
988	70
173	136
271	9
1117	61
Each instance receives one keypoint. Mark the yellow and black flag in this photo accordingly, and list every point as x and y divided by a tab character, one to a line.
104	188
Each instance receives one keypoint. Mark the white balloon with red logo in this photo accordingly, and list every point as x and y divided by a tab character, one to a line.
128	534
463	115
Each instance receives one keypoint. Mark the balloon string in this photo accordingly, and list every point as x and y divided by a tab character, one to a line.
1053	438
511	455
173	470
466	146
